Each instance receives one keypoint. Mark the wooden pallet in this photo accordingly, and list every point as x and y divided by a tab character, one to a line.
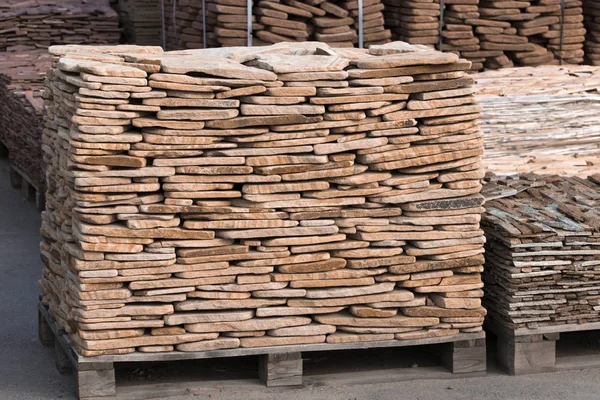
462	355
531	351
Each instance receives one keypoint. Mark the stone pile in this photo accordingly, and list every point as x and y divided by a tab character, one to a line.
591	12
183	24
414	22
333	22
141	21
27	25
423	23
493	33
251	197
534	32
227	24
21	110
542	251
541	119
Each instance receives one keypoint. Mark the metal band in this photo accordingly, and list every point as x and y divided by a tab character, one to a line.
204	24
562	29
162	21
175	22
361	43
441	40
249	22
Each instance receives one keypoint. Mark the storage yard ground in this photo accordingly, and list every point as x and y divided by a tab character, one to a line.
27	369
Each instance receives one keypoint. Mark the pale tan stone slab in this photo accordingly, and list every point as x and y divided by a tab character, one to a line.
343	337
350	291
370	312
195	317
191	305
145	341
281	341
306	330
248	325
208	345
397	321
395	295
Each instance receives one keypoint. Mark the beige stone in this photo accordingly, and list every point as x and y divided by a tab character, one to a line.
306	330
281	341
343	337
248	325
225	316
397	321
209	345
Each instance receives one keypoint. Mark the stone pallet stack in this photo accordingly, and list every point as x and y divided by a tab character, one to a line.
423	23
543	251
374	30
227	24
540	32
332	22
305	195
413	22
461	36
27	25
494	33
183	24
141	21
591	12
21	110
541	119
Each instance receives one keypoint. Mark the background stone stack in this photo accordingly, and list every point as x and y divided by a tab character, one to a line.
458	35
374	30
534	34
333	22
591	12
227	23
543	251
141	21
541	119
307	195
494	33
41	23
413	22
419	23
183	24
21	110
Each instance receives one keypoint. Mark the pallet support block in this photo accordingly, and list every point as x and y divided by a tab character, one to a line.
62	361
45	334
3	150
280	369
28	192
16	180
96	380
527	354
465	356
40	200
